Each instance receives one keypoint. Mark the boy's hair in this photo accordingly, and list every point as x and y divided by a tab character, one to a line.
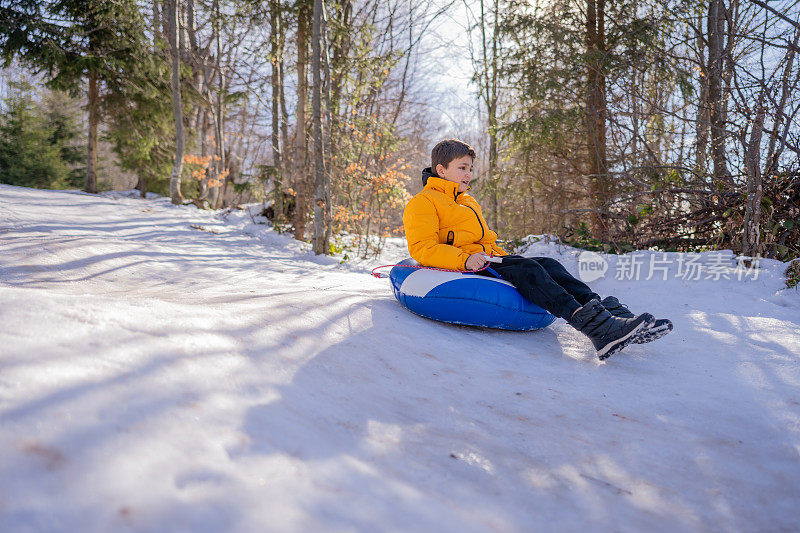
447	150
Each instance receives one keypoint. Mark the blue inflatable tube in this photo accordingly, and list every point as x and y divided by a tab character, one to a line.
464	298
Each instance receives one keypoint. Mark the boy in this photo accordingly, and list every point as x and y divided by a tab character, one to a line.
445	228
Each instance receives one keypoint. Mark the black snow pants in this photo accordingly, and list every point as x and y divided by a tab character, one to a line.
545	282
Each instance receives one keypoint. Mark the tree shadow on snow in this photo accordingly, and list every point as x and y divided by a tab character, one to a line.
413	424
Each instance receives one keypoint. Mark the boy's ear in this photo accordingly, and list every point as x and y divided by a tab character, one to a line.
438	171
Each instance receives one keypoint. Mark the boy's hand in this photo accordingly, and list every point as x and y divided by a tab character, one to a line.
476	261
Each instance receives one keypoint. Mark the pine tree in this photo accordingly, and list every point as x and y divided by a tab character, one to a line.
75	40
141	126
36	142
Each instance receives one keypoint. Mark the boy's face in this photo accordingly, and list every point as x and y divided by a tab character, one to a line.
459	170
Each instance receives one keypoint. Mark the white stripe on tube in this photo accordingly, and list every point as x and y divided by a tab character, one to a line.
421	282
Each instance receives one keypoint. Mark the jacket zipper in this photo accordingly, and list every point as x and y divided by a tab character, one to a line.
483	232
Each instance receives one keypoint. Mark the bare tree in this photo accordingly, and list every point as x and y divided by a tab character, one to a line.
276	60
717	16
221	170
180	136
301	141
485	61
596	114
320	175
767	84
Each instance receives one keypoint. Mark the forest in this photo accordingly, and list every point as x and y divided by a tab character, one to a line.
615	126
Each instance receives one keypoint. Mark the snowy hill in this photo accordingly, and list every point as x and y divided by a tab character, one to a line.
169	369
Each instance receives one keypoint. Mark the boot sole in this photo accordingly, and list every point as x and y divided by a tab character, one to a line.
612	348
653	333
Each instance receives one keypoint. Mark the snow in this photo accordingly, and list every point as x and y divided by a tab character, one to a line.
165	368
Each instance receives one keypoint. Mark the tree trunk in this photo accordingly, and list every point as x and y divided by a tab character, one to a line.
703	115
301	144
165	18
277	178
490	79
316	103
221	165
195	56
327	129
156	22
716	97
341	49
91	157
141	184
180	136
751	240
284	120
205	125
284	115
599	184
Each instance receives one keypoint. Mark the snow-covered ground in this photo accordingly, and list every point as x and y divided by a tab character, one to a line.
169	369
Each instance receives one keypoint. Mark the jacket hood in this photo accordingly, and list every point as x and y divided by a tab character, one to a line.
427	172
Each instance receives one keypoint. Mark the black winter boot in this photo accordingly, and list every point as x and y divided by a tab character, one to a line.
660	327
608	333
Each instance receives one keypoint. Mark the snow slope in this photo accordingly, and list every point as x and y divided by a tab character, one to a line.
169	369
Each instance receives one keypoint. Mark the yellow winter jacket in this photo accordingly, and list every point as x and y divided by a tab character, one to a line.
444	227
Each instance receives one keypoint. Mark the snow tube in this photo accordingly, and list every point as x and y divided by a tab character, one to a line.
465	298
